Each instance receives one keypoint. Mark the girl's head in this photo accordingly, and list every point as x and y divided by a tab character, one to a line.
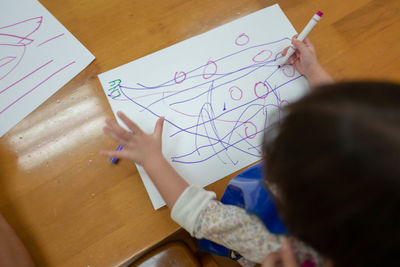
336	166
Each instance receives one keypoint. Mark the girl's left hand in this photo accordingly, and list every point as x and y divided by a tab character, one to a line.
138	146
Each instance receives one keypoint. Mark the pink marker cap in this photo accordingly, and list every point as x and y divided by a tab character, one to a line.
320	13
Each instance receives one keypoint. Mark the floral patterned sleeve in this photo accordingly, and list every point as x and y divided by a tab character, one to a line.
232	227
199	213
244	233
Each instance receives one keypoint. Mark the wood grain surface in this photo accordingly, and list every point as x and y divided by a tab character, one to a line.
70	206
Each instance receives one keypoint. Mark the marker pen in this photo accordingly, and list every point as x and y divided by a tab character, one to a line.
115	160
314	20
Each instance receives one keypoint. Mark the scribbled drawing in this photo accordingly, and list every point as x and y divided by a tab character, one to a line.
221	105
37	57
13	44
16	41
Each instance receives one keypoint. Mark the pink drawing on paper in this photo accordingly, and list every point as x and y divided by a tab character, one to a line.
222	103
18	40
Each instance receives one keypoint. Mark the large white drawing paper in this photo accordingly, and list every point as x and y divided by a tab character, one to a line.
218	91
37	57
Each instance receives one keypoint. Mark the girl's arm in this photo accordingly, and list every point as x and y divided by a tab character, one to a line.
195	209
145	150
168	182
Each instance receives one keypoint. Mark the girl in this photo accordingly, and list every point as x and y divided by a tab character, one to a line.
331	168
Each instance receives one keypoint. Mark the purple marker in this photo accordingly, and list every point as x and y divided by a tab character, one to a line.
115	160
314	20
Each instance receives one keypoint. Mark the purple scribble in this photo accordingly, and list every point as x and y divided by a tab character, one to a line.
250	94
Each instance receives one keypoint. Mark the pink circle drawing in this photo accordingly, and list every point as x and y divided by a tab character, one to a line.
210	74
236	93
246	127
242	39
283	103
262	56
261	90
179	77
288	70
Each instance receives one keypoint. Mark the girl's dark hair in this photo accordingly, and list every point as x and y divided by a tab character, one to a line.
336	166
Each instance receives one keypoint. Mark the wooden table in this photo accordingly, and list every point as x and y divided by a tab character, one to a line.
68	204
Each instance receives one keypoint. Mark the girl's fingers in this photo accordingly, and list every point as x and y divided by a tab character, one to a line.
293	58
127	154
114	125
288	257
308	43
301	47
122	154
273	260
285	51
159	127
111	153
111	133
294	37
310	46
110	122
118	130
131	125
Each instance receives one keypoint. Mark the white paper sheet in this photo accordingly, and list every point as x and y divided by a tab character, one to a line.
218	92
37	57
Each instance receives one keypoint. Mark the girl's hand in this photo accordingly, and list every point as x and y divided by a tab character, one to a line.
306	62
145	149
283	258
137	145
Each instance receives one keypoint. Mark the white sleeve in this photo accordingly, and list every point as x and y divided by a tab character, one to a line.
189	205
